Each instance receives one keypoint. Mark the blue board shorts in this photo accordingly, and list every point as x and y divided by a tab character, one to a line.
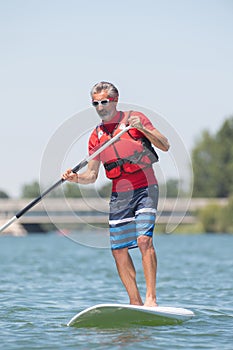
131	215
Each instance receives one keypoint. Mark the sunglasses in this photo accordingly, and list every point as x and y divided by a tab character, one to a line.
104	102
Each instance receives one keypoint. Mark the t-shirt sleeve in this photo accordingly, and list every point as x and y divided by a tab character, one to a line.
145	122
93	144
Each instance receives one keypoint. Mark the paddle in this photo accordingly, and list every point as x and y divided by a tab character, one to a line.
81	165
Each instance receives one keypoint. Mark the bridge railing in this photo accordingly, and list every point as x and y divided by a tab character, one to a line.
95	210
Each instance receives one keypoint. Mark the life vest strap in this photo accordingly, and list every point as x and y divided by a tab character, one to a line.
119	162
134	159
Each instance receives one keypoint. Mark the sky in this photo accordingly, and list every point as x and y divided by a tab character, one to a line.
173	57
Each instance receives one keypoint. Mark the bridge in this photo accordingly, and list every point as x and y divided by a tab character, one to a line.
73	213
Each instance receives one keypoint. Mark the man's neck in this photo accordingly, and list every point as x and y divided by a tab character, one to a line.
113	119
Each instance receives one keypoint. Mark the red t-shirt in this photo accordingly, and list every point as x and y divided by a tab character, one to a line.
127	181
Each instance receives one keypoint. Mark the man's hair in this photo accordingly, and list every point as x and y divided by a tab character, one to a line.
104	85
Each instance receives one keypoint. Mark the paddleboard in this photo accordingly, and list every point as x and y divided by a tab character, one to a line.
119	315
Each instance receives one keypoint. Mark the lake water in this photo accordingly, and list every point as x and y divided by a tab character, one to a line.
47	279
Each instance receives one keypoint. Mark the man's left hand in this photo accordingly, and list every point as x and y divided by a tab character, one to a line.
135	122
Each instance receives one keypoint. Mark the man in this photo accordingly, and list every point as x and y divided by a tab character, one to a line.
128	162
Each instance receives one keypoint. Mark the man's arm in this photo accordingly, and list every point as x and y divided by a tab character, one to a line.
88	177
154	136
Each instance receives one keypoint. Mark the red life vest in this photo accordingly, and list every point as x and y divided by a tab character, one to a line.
127	154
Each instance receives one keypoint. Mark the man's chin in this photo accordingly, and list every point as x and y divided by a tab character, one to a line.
105	117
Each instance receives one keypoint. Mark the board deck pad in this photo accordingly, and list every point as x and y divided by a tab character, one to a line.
118	315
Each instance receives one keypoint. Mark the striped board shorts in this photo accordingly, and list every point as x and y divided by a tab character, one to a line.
131	215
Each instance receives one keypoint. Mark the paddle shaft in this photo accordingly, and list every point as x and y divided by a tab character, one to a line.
78	167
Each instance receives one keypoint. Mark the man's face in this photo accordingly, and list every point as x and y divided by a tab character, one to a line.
105	111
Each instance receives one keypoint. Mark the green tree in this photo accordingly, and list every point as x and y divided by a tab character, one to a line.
105	190
210	217
224	140
72	190
217	218
3	194
227	217
173	188
31	190
212	159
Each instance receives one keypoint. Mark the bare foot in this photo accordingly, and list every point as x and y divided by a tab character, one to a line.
150	303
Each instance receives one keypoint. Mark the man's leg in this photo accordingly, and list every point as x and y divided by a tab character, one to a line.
149	262
127	274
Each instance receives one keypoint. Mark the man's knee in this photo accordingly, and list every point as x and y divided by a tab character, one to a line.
145	243
119	253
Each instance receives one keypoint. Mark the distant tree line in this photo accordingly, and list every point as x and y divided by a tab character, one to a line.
3	194
69	190
217	218
212	159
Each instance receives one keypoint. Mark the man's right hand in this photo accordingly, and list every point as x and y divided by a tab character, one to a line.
70	176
